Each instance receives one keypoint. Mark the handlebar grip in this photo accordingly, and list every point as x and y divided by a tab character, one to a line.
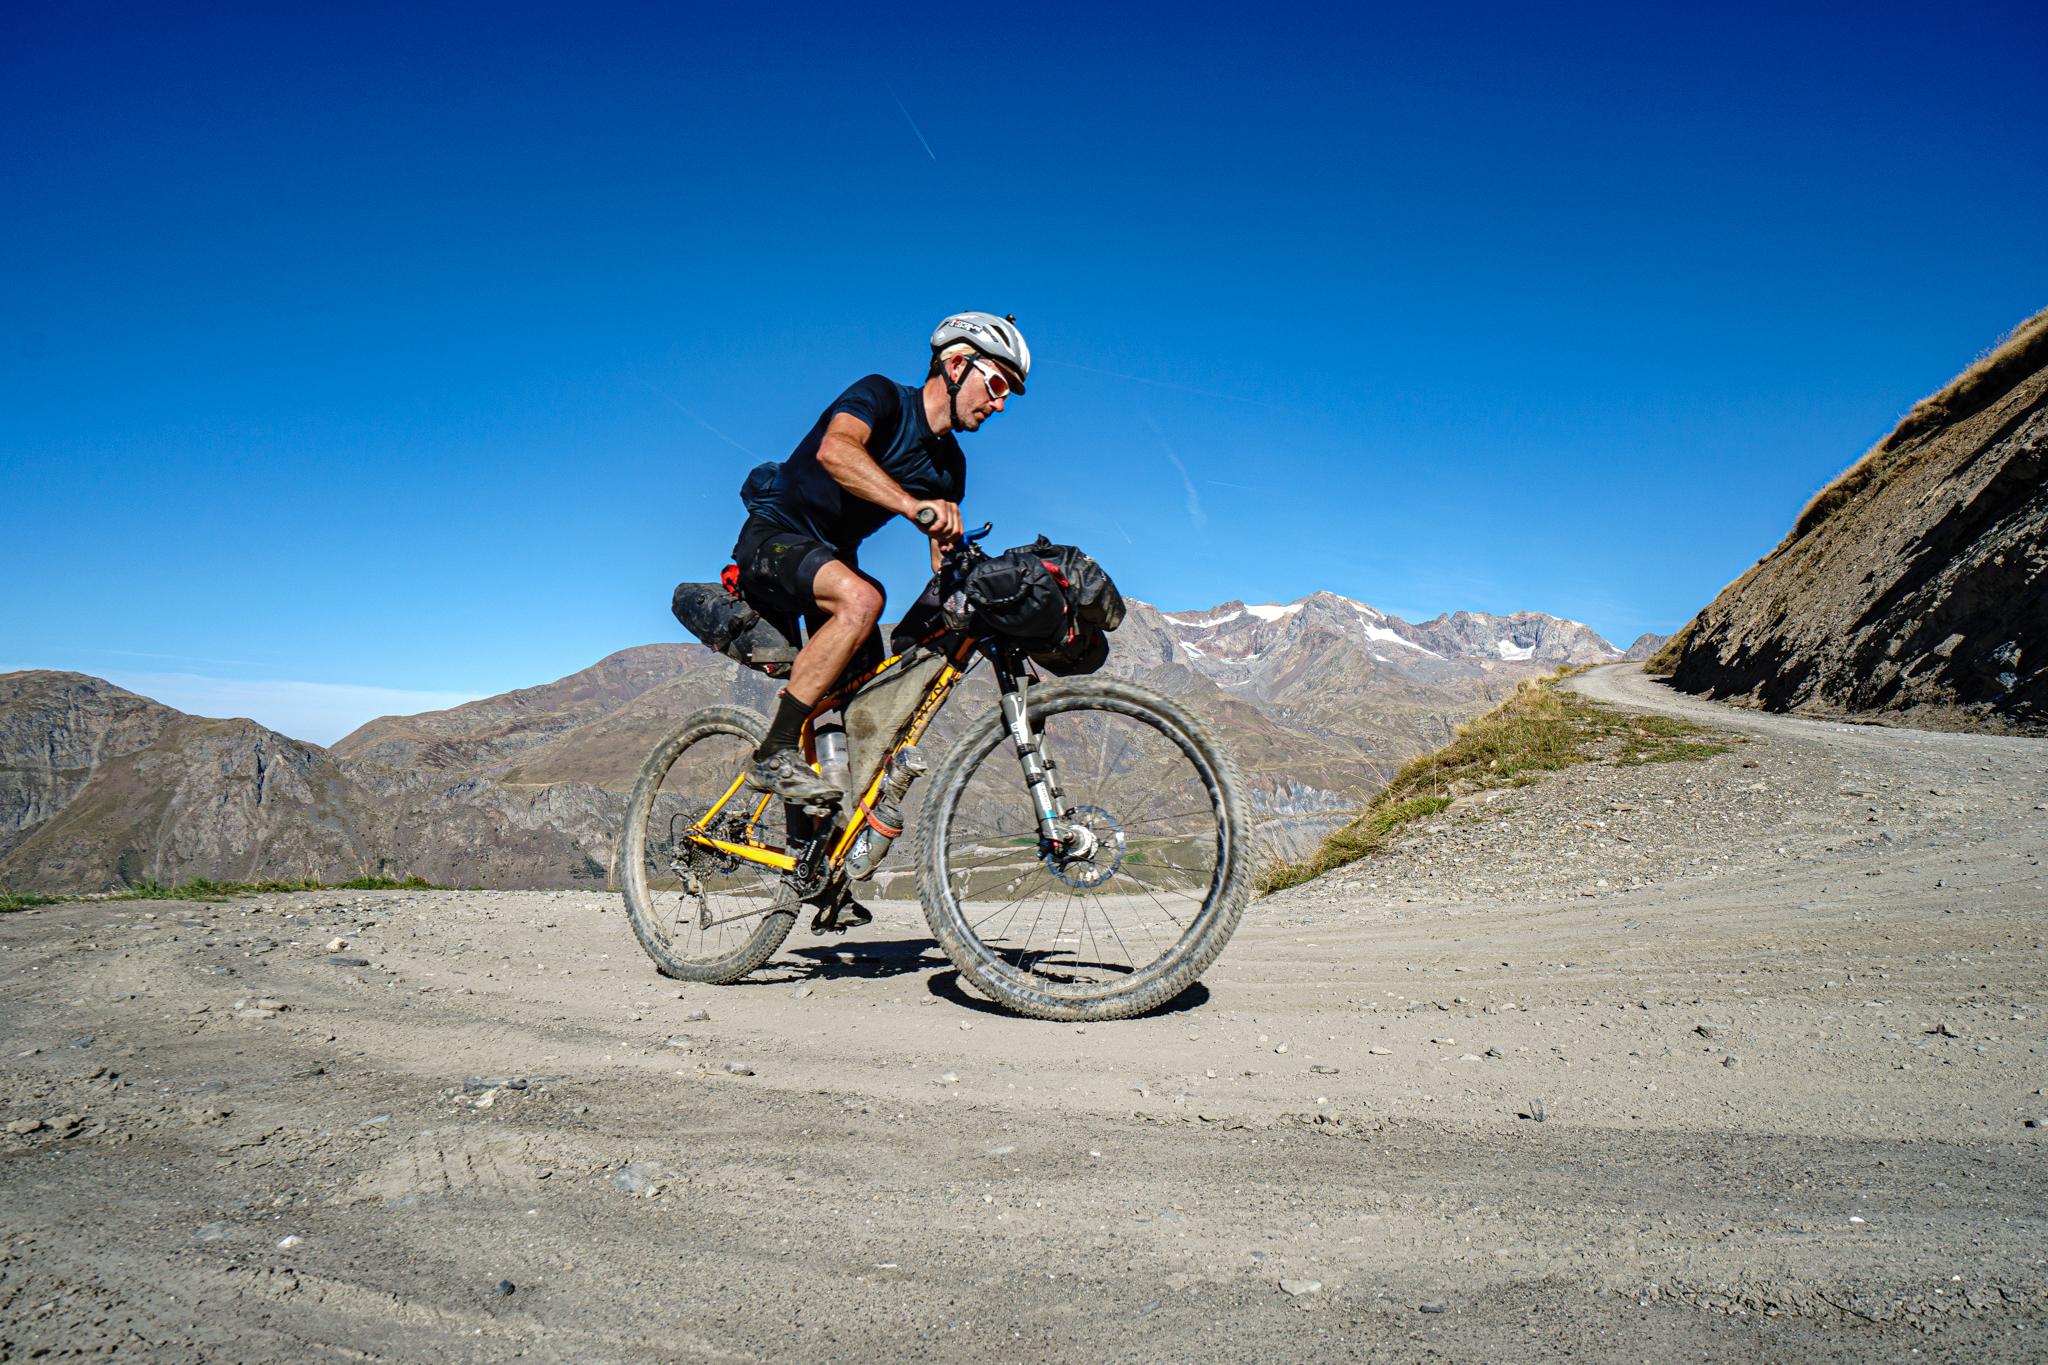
925	516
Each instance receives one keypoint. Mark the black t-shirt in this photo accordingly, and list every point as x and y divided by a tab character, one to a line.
925	463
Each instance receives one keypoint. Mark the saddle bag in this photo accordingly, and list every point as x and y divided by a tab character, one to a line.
715	614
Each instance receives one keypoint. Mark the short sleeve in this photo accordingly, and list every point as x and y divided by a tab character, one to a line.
876	401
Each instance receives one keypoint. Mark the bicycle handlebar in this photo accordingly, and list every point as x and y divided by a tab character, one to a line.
925	516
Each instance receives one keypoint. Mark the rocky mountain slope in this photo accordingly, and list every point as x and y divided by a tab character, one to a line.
1319	701
1915	587
99	786
1646	645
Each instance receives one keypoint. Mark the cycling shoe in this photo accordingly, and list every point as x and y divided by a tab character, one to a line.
785	774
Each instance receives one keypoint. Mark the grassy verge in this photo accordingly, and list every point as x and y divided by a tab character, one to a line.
2018	353
1540	729
205	889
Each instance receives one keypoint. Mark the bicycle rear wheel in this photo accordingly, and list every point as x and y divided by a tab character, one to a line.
1136	921
703	915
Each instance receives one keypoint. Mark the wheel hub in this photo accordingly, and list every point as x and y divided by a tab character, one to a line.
1091	850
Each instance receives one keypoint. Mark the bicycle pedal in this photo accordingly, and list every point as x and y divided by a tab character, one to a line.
837	919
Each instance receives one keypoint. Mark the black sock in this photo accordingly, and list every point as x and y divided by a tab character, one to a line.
787	725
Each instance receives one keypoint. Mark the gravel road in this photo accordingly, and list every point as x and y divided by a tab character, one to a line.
1726	1060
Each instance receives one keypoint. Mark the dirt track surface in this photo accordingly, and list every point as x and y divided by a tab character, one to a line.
1785	1022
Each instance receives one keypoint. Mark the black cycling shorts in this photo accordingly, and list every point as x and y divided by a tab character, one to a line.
778	567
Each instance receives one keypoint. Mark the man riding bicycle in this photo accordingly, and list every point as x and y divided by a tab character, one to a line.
881	449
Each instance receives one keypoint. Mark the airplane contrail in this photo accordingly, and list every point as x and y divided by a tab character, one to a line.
1195	512
684	408
911	121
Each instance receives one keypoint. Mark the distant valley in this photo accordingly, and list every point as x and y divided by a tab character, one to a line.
1320	700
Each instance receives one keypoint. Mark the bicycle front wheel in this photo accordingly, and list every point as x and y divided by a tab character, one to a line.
701	914
1166	872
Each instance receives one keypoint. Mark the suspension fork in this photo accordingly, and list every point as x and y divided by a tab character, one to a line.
1041	773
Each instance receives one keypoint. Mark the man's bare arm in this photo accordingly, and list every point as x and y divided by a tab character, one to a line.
843	453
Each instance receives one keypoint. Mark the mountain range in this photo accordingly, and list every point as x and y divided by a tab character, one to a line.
1319	700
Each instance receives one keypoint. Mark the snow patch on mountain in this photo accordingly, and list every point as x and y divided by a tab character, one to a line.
1272	613
1369	613
1513	652
1197	624
1385	636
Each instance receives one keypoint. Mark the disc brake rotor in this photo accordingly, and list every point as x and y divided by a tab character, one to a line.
1092	851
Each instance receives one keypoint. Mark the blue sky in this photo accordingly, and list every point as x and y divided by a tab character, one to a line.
358	362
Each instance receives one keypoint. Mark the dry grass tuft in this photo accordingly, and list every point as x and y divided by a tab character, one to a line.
205	889
1537	730
2018	354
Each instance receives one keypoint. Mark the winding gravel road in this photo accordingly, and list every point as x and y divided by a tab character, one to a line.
1732	1059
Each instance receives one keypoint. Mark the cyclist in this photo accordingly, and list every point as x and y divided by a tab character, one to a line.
881	449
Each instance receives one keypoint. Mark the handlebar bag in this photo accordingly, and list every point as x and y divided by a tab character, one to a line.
1017	595
1092	595
1085	653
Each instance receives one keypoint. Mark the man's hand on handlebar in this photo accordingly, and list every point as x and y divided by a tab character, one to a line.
940	520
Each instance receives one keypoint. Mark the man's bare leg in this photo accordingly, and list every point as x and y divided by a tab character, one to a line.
853	605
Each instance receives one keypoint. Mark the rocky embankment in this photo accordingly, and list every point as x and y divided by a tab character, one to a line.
1914	588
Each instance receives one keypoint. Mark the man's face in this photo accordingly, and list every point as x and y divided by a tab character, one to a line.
976	403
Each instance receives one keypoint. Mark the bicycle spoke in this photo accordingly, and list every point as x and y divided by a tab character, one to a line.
700	910
1089	926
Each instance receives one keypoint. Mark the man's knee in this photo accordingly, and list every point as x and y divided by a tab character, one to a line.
864	604
849	595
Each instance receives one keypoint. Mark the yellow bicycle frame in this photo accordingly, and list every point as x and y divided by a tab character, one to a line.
935	694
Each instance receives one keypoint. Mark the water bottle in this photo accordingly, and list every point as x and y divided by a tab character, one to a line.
831	745
885	821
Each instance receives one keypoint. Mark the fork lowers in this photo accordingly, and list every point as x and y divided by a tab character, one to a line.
885	821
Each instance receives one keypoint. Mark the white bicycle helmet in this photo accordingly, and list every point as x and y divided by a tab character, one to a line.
997	338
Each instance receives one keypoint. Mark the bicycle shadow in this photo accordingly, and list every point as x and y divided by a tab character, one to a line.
946	985
877	959
861	959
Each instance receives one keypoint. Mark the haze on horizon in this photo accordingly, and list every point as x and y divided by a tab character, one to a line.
370	361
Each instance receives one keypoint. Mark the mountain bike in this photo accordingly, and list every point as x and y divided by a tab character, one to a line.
1082	850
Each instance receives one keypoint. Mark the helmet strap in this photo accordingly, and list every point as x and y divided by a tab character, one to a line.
953	395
